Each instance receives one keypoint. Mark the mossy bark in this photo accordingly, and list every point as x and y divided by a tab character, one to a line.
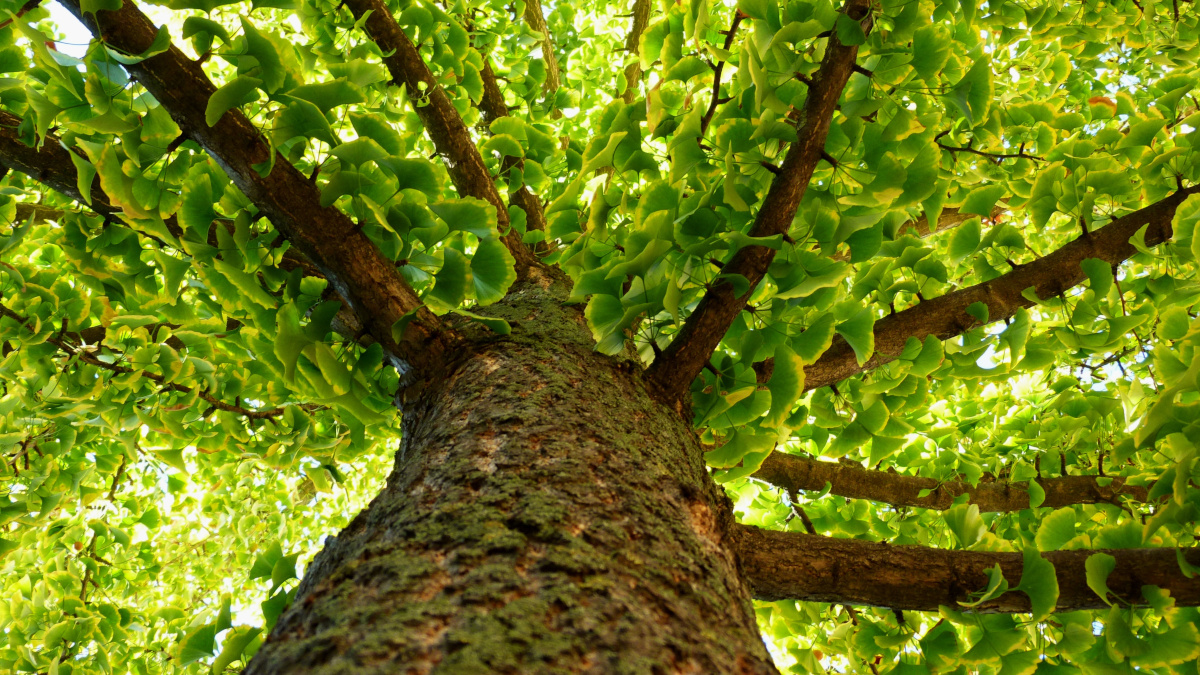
545	515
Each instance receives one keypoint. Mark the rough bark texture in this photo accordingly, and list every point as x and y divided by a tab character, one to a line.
537	21
672	373
1051	275
445	126
354	266
633	42
544	515
846	480
796	566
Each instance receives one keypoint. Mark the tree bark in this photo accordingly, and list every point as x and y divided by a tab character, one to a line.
802	473
545	514
797	566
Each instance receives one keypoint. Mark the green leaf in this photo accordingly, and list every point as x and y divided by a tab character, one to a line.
497	326
982	200
161	43
1100	274
965	240
301	118
358	152
451	282
234	647
973	93
858	332
1173	324
931	48
237	92
1098	566
199	644
1037	495
997	585
817	338
965	523
1040	583
492	271
849	31
1056	529
786	385
328	95
468	214
1173	647
377	129
270	68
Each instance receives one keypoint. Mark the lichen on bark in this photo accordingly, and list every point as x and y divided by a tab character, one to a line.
545	514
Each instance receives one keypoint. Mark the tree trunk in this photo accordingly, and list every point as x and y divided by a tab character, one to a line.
545	515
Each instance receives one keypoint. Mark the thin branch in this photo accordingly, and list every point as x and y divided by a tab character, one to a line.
672	374
372	286
994	156
26	8
717	71
792	473
89	357
492	107
442	122
798	566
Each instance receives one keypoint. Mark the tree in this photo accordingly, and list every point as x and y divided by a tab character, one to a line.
663	337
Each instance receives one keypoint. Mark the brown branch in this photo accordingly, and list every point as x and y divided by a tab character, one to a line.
633	42
90	358
1049	276
51	165
492	107
797	566
792	473
369	282
25	9
994	156
671	374
537	21
442	122
717	71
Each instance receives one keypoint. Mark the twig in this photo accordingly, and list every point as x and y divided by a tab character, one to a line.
717	70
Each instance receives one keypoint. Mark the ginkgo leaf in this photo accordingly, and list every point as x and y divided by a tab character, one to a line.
857	331
786	385
239	91
491	271
1056	529
1040	583
1098	567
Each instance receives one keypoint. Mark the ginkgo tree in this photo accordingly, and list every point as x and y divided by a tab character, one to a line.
647	337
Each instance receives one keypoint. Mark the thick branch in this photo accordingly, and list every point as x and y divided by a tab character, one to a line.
633	42
846	480
537	21
946	316
797	566
672	372
51	165
347	257
442	122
